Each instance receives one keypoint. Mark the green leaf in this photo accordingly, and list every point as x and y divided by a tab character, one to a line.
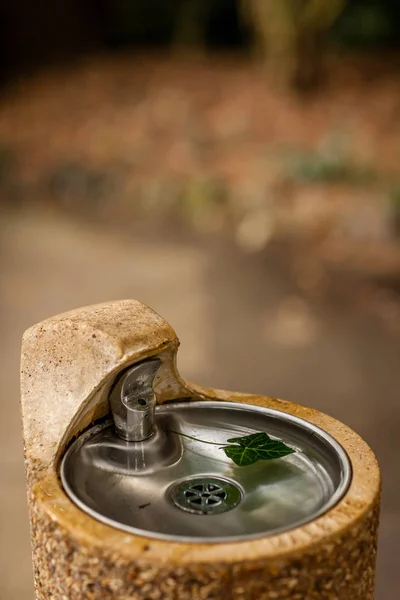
251	441
249	449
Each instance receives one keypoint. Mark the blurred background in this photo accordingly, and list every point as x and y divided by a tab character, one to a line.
232	163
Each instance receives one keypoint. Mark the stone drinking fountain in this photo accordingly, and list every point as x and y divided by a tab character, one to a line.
135	492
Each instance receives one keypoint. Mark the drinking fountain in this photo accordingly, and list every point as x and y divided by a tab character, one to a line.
134	493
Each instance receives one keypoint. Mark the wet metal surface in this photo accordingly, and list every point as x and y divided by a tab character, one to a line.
124	484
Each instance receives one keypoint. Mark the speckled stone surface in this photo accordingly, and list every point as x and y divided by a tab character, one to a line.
68	365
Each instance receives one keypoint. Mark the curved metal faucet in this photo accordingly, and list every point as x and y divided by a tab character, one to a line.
133	401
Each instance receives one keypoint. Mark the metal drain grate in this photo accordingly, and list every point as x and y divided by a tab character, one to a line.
205	495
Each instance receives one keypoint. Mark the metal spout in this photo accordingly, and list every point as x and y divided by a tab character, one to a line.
133	401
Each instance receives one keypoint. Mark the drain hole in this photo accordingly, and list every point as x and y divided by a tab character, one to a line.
206	495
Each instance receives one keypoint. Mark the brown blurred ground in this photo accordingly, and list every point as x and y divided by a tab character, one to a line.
215	143
242	325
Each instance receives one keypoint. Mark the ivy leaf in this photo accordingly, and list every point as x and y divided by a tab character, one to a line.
249	449
251	441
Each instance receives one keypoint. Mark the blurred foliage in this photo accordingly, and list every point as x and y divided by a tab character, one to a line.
206	23
330	162
365	23
226	22
203	201
290	35
78	187
140	21
180	22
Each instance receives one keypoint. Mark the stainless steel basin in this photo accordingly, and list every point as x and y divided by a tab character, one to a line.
172	487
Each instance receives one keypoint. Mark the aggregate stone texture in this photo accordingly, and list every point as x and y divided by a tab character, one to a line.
76	557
